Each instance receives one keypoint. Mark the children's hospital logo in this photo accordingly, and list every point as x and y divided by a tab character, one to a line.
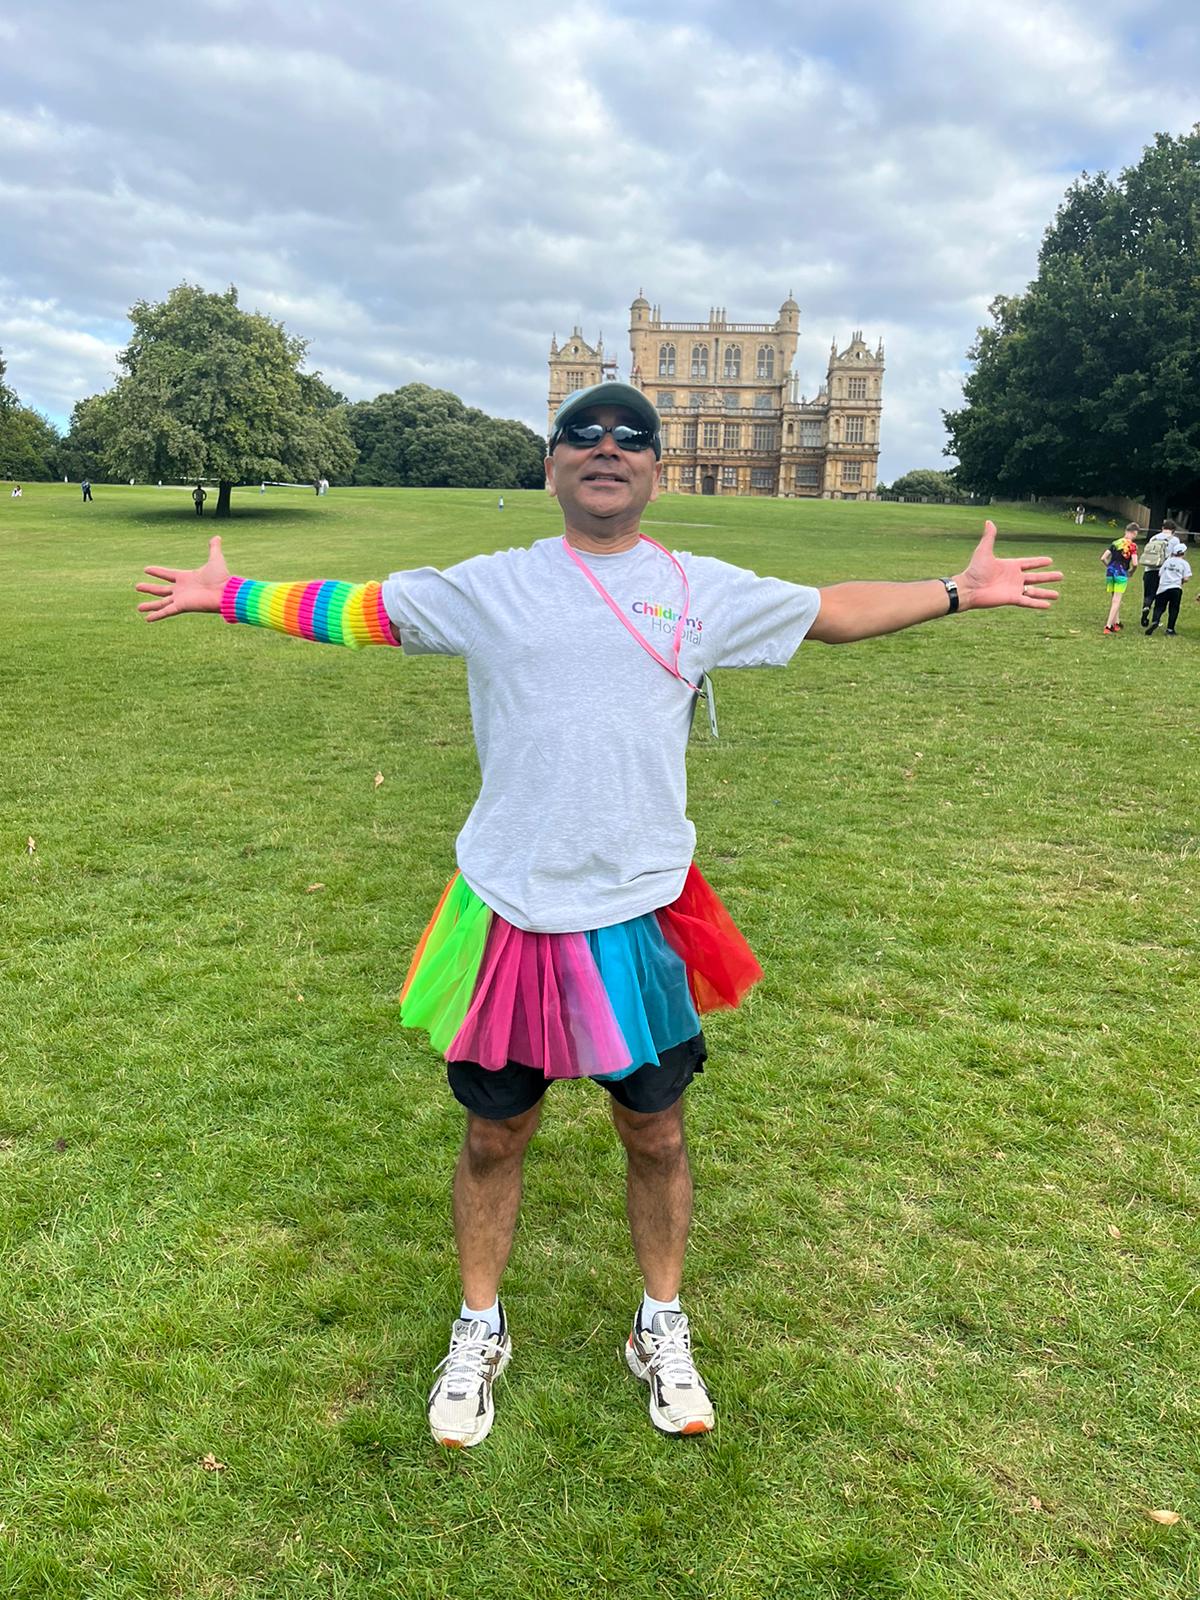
664	619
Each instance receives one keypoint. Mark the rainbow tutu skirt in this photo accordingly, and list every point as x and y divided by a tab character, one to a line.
574	1005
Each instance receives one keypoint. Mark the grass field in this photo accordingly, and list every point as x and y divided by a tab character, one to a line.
944	1278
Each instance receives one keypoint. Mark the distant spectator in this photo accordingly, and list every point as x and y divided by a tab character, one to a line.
500	503
1120	559
86	486
1172	575
16	494
1079	513
199	496
1158	547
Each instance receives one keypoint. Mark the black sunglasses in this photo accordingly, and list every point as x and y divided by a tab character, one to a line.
584	435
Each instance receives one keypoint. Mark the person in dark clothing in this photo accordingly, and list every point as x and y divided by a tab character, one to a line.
199	496
86	486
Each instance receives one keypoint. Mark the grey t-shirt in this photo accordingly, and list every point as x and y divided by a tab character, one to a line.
581	818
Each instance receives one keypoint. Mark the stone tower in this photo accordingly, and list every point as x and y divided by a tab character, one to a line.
576	365
853	384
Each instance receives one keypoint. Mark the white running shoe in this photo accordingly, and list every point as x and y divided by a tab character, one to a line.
460	1403
661	1356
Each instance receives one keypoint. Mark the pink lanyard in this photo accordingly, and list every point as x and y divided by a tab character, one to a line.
672	666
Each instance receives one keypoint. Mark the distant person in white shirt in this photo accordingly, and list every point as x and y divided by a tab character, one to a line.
1172	575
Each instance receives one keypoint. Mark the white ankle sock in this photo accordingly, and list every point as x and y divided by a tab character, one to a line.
650	1308
491	1316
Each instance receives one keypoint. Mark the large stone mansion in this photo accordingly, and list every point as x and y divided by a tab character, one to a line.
734	420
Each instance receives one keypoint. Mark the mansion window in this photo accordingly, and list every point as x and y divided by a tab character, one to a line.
687	477
733	360
689	436
762	478
851	471
762	402
733	436
766	361
764	436
806	477
810	434
711	433
695	401
854	430
664	400
729	477
732	400
857	389
574	381
699	361
666	361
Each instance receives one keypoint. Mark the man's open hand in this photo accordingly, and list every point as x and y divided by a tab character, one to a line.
197	589
991	580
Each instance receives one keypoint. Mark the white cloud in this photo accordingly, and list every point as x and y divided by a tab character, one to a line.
429	198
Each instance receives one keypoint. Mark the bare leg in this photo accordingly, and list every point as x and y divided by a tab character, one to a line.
1114	610
658	1193
487	1195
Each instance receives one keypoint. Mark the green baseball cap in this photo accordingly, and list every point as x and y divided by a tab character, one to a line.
623	395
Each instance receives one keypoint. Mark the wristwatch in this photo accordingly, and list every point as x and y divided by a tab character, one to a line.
952	591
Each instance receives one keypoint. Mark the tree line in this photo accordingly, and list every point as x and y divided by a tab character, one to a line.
207	391
1088	383
28	440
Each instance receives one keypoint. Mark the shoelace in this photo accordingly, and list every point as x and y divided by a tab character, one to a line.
671	1357
469	1353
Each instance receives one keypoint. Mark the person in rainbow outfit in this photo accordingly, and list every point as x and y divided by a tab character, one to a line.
577	937
1120	559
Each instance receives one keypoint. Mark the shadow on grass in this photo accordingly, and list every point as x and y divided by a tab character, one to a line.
157	515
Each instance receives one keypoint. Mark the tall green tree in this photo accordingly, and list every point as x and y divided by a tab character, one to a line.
29	445
1089	382
29	442
85	451
418	437
8	398
212	391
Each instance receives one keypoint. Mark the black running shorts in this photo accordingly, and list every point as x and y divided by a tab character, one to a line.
513	1090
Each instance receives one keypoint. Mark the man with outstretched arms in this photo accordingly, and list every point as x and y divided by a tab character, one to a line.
577	938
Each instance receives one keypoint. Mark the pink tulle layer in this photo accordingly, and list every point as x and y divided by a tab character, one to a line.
539	999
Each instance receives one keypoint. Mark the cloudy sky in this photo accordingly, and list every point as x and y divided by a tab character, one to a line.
427	192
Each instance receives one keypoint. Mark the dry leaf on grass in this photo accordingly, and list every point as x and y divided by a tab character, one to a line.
314	888
1167	1518
30	845
210	1463
378	779
1114	1231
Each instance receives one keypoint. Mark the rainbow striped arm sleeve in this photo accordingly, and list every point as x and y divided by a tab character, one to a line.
328	613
